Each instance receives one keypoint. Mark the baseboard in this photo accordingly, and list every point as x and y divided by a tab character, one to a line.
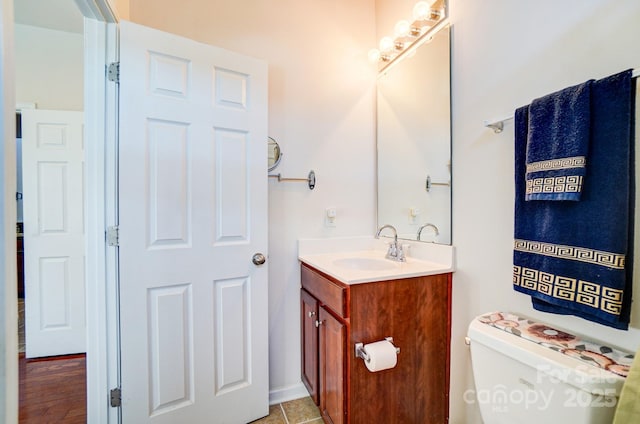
285	394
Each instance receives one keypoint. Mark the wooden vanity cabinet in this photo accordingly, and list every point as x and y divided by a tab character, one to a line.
416	312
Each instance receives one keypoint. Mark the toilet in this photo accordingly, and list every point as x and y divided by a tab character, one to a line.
529	372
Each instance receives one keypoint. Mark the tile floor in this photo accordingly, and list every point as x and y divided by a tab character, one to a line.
297	411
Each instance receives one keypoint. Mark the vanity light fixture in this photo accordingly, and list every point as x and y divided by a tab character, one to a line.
425	16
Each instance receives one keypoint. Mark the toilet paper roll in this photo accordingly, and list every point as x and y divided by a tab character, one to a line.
382	356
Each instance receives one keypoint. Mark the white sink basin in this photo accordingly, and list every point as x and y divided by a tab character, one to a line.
365	263
362	260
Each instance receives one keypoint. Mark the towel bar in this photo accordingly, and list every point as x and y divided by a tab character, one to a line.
311	179
498	125
429	184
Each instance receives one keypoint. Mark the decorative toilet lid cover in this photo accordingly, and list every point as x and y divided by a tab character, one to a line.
593	353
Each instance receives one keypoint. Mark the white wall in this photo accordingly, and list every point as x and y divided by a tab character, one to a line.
321	112
505	54
49	68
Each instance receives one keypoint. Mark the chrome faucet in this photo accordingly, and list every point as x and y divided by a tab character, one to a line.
395	252
435	229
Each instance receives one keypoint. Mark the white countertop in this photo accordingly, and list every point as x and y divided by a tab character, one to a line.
357	260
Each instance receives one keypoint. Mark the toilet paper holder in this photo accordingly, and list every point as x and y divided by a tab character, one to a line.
360	353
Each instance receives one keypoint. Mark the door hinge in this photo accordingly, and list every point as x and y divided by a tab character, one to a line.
113	72
113	235
116	397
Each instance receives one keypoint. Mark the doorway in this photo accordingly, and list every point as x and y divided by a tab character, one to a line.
100	35
49	75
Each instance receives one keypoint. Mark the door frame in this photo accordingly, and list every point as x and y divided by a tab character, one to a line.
100	100
100	134
8	291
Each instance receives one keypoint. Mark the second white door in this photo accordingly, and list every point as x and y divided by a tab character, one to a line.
52	169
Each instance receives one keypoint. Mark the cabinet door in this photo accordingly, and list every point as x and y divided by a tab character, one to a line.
309	316
332	339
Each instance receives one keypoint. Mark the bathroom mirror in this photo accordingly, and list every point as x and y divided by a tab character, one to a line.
274	154
414	142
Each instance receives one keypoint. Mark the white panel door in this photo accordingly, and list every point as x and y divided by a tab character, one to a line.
192	213
53	173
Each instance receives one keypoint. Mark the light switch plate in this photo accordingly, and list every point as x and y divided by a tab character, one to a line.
330	217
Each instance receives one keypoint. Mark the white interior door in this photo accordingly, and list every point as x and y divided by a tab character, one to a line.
192	213
53	202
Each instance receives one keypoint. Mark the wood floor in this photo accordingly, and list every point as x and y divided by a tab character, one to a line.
53	390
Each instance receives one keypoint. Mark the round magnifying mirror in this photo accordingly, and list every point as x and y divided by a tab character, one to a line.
275	155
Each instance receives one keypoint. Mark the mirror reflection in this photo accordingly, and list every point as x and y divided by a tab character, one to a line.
274	154
414	143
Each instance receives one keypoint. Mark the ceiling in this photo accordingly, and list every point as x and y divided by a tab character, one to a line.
61	15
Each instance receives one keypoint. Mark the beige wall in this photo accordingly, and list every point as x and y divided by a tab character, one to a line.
321	111
121	8
49	68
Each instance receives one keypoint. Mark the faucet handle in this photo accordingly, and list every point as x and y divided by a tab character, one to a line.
395	252
403	250
401	253
390	253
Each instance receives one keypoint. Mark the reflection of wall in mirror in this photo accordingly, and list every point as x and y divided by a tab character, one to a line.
273	152
414	141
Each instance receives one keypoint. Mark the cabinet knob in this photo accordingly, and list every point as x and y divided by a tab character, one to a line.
311	314
318	323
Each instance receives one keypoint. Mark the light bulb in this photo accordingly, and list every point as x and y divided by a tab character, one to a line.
374	55
402	28
386	44
422	10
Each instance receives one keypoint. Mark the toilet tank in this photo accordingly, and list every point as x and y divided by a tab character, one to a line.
529	372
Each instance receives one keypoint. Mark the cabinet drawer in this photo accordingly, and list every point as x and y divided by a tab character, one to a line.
326	291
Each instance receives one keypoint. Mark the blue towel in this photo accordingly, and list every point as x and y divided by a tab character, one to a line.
558	143
576	257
